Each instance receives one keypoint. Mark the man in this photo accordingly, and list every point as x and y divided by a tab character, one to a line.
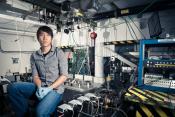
49	71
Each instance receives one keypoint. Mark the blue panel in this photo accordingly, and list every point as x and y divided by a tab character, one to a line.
142	59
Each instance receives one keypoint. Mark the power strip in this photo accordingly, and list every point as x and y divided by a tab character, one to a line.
75	102
65	107
83	98
90	95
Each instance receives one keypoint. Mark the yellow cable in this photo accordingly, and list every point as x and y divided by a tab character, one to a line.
147	95
160	112
138	114
146	111
137	94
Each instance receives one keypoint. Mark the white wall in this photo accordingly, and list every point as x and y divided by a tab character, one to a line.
18	44
11	43
117	29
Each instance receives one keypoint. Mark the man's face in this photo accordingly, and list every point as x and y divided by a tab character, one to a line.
45	39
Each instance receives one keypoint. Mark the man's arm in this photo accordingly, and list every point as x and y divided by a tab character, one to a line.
63	69
58	82
37	81
36	78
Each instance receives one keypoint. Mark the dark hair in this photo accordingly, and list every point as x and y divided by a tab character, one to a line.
44	29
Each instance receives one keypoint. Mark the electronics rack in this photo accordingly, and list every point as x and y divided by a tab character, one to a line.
157	65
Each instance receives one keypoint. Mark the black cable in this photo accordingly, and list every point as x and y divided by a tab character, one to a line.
169	94
74	39
76	44
132	30
129	29
118	109
85	114
147	7
137	27
133	77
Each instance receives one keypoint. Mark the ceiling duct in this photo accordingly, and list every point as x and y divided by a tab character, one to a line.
96	4
91	7
94	7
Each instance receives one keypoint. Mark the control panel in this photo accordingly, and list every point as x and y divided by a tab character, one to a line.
157	65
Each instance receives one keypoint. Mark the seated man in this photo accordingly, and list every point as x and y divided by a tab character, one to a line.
49	71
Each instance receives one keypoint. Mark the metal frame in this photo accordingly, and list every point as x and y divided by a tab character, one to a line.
141	66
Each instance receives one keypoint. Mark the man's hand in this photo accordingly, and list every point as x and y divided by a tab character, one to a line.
42	92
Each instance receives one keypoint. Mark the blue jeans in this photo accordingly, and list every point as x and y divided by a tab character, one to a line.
19	94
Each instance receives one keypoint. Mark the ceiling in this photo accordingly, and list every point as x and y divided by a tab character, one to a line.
93	8
64	12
